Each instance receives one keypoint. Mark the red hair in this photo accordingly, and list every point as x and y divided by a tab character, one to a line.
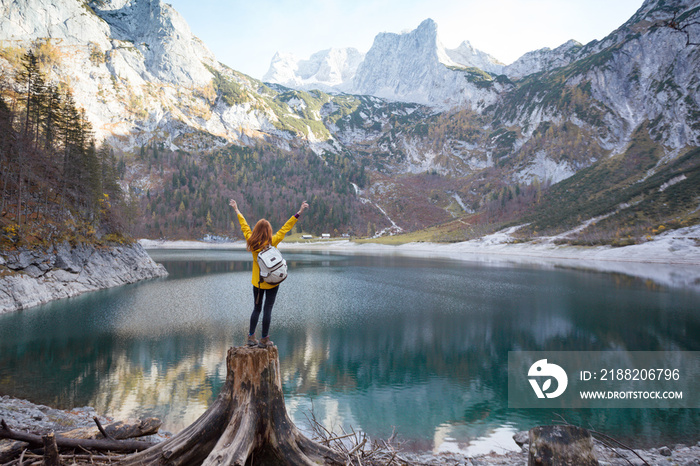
261	236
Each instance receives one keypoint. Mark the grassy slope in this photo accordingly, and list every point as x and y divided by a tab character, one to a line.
629	183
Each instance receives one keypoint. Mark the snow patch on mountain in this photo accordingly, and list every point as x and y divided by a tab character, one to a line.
419	160
461	203
543	168
329	70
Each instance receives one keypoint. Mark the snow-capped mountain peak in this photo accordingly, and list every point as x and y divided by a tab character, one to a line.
327	70
465	54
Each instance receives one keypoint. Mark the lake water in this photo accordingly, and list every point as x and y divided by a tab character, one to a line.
369	342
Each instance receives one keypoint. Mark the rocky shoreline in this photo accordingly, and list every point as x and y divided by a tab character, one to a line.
23	415
29	277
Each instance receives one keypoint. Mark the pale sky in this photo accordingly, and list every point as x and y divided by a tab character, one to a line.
245	34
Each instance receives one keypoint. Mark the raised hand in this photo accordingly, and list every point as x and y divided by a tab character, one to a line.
304	206
233	204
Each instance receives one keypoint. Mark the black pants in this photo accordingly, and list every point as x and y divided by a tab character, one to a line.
258	295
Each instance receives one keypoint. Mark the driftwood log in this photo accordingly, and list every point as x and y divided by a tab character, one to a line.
63	442
119	430
246	424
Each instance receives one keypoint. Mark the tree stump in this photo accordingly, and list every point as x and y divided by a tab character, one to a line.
564	445
246	424
51	457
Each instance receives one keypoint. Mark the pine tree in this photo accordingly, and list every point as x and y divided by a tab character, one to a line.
29	76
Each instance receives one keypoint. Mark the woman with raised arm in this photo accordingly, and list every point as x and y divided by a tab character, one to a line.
256	240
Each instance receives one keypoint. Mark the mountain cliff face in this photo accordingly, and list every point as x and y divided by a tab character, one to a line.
415	67
624	108
170	52
140	74
122	57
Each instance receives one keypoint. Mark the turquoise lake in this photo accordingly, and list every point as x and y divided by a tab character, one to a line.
368	342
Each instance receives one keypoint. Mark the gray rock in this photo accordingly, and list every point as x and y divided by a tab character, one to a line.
543	59
521	438
33	271
64	276
427	81
46	265
665	451
14	261
87	269
25	258
65	262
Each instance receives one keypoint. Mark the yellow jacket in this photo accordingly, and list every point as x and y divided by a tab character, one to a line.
276	239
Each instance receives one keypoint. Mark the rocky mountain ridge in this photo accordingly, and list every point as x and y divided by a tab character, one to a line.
415	67
476	143
543	60
411	67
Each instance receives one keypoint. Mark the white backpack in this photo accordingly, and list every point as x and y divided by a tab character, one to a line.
273	267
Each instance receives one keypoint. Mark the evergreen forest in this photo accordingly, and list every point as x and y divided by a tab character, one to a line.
186	196
56	183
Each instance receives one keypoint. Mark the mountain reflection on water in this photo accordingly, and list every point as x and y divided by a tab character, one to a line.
368	342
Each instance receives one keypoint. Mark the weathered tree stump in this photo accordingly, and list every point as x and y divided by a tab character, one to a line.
564	445
246	424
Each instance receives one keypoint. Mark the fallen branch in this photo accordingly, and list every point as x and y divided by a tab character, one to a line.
102	429
63	442
356	448
120	430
